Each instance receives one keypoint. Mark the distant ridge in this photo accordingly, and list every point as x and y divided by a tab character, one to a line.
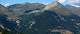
58	8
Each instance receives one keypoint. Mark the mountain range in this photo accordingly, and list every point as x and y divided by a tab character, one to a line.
19	9
45	16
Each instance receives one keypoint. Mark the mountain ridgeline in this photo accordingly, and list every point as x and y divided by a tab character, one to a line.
36	18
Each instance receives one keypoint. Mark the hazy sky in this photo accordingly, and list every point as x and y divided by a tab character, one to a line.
10	2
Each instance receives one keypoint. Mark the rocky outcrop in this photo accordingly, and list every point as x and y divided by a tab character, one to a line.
21	8
58	8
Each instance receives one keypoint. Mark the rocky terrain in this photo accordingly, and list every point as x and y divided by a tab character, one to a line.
19	9
32	18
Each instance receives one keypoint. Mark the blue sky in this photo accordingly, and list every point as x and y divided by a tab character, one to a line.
64	2
10	2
